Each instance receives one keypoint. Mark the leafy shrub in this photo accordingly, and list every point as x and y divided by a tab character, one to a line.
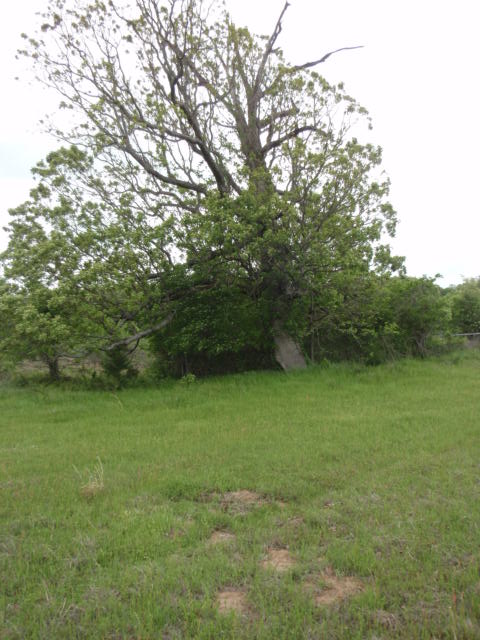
117	364
466	307
375	319
220	330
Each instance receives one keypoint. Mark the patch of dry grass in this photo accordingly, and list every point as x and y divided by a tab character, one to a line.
95	481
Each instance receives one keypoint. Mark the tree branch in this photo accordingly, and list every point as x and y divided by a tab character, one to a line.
278	115
307	65
288	136
268	50
141	334
142	161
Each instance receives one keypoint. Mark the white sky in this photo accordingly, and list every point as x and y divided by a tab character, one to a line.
418	75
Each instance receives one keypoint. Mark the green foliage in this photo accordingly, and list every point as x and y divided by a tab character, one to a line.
376	318
206	195
117	364
188	378
419	310
75	275
465	303
215	330
38	323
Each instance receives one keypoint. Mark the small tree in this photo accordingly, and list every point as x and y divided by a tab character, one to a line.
34	326
117	364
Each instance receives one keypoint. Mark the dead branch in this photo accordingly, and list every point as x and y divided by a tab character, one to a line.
308	65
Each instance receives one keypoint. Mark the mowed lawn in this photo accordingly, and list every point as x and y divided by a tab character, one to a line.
339	502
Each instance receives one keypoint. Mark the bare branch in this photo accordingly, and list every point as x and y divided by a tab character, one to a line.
288	136
268	50
146	164
141	334
278	115
308	65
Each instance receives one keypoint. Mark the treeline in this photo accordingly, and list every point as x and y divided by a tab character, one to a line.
370	319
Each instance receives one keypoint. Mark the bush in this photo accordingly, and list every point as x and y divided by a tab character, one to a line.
117	364
218	331
373	319
466	307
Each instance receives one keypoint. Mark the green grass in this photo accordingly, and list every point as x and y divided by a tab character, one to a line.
374	472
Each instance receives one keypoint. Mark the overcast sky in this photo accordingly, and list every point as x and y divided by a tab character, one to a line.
418	75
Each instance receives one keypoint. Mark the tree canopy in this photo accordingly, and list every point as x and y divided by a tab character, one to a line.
195	159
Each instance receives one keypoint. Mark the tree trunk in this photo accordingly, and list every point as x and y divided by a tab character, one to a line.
53	369
287	352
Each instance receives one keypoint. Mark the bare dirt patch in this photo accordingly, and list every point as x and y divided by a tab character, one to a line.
241	501
221	537
278	559
328	588
244	496
232	600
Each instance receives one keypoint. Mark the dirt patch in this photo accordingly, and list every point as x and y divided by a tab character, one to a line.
243	496
328	588
221	537
232	600
91	489
278	559
240	502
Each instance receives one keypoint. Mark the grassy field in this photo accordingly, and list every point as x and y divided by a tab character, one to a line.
341	502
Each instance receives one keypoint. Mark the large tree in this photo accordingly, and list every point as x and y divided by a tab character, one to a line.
209	158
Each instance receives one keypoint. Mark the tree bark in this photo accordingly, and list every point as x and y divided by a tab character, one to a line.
287	352
53	369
